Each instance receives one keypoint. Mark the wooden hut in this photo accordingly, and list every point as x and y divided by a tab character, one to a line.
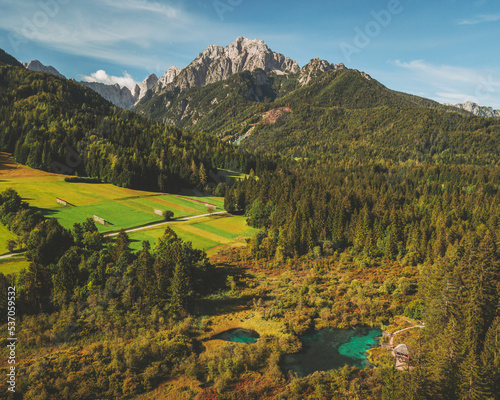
402	351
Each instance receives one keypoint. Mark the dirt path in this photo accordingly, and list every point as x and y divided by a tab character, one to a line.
165	223
402	330
399	363
5	256
9	255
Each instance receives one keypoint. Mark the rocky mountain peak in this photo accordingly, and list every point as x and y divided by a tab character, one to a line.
315	67
478	110
146	85
242	45
167	78
37	66
212	52
217	63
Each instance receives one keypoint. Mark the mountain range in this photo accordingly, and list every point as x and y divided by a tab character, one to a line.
475	109
216	64
262	101
37	66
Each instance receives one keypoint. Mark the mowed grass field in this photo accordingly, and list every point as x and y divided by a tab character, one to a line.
208	233
122	208
13	265
5	235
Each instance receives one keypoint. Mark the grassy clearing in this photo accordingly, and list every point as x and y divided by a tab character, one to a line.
231	176
206	233
123	208
136	238
230	225
5	235
13	265
213	230
181	388
246	319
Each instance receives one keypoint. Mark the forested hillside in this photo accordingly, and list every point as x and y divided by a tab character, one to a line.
80	288
7	59
441	220
57	125
340	114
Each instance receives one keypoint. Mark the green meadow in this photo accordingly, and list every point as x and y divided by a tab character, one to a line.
13	265
5	235
207	233
122	208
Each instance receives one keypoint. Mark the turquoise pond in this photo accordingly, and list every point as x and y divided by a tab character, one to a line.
238	336
327	349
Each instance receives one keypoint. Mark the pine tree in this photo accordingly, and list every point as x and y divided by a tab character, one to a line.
490	359
121	245
202	175
179	290
38	287
65	276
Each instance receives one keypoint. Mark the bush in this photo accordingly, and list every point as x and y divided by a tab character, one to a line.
11	245
168	215
415	310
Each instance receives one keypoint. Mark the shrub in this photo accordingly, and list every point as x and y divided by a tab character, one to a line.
168	215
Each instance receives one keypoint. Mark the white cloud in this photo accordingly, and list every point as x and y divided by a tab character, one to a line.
101	76
110	30
441	72
480	19
451	84
454	98
142	5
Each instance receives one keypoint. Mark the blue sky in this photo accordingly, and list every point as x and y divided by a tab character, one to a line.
446	50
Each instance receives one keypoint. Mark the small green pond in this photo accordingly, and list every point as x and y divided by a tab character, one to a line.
238	336
327	349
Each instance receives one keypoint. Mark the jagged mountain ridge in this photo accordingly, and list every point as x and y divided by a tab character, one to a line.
322	108
37	66
120	96
241	97
264	76
478	110
217	63
123	96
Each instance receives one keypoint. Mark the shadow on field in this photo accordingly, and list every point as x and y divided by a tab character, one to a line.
225	301
222	305
47	212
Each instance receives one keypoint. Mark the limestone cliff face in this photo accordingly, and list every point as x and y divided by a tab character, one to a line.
120	97
217	63
316	67
37	66
146	85
123	97
475	109
167	78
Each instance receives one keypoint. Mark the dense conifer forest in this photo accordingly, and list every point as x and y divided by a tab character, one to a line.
47	121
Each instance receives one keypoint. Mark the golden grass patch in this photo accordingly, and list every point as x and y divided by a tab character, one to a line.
205	234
